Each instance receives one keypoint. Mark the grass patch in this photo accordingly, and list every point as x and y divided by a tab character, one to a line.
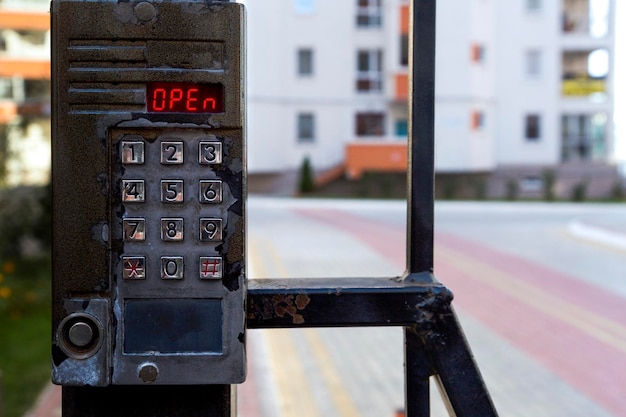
25	321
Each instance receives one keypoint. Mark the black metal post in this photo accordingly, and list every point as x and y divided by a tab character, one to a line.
421	148
420	192
418	369
148	401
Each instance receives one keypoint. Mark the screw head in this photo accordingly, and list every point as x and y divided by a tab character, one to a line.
145	11
148	372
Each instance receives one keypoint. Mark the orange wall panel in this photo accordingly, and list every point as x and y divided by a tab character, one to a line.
12	19
402	87
381	157
28	69
404	19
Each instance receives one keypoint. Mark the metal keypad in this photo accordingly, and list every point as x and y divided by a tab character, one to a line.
171	200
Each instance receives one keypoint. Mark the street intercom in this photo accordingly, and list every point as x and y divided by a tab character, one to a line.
149	180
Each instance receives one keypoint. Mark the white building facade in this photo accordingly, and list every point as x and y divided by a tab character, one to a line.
24	92
523	87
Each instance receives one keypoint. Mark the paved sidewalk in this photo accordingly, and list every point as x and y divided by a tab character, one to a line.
49	402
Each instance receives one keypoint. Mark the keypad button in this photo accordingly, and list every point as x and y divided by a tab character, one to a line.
172	267
210	230
134	267
210	191
172	229
134	229
133	152
172	191
210	267
165	211
172	153
133	191
210	153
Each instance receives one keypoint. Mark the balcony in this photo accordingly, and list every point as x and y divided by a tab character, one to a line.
586	17
582	86
24	19
24	68
585	72
24	39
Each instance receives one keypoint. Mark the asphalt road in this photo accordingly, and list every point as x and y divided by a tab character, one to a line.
539	290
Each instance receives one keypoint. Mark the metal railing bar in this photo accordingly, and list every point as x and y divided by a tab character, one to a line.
338	302
419	365
421	149
457	371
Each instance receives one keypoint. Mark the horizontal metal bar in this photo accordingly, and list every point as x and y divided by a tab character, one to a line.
337	302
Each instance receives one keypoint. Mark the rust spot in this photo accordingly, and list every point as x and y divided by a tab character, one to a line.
302	300
290	305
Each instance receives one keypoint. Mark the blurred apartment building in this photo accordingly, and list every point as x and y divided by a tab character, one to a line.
523	88
25	91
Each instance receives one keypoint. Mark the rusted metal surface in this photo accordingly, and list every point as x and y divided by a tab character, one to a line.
343	302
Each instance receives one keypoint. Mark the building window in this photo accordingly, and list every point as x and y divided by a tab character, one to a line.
369	70
306	127
402	128
304	6
478	53
533	63
305	61
477	120
533	5
370	124
368	13
533	127
404	49
531	183
591	17
583	137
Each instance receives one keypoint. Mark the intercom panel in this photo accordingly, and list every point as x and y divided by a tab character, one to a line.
149	179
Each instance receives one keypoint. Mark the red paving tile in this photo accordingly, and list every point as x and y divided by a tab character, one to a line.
574	329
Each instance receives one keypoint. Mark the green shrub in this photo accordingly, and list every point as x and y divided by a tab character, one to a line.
480	189
24	332
579	192
549	180
306	182
25	221
512	190
617	192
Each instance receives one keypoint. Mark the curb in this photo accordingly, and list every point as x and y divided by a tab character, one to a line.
597	234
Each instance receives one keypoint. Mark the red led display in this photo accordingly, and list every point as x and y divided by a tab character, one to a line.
185	98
